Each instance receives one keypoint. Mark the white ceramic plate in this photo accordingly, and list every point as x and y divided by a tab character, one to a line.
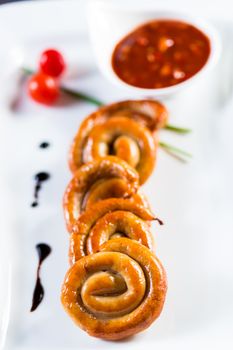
194	200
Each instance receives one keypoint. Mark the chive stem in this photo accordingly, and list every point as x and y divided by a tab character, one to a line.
176	152
177	129
81	96
27	71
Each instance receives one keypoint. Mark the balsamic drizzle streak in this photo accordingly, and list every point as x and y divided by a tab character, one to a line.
39	179
43	252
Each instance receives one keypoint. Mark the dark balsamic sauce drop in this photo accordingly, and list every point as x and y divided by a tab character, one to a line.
44	145
43	252
39	179
159	221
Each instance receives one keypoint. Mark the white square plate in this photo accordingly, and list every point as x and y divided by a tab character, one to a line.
194	200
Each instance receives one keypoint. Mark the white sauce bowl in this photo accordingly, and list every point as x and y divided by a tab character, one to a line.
109	22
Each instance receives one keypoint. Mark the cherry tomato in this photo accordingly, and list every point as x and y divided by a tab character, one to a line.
52	63
43	88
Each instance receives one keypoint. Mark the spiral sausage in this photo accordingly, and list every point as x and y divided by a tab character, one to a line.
94	180
148	115
117	292
127	140
108	219
116	286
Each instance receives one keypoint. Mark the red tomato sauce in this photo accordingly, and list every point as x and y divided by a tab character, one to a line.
160	53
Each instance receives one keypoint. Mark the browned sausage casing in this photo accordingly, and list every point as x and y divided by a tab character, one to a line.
126	129
108	219
117	292
93	182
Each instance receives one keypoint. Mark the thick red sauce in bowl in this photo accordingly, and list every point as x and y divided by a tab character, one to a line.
160	53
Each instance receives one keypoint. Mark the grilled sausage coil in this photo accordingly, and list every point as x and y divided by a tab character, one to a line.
116	286
94	181
127	129
116	292
109	219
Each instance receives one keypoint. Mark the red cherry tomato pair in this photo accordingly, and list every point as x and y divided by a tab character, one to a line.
43	86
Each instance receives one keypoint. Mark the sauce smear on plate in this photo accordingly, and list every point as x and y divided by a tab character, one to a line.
43	252
160	53
44	145
39	179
